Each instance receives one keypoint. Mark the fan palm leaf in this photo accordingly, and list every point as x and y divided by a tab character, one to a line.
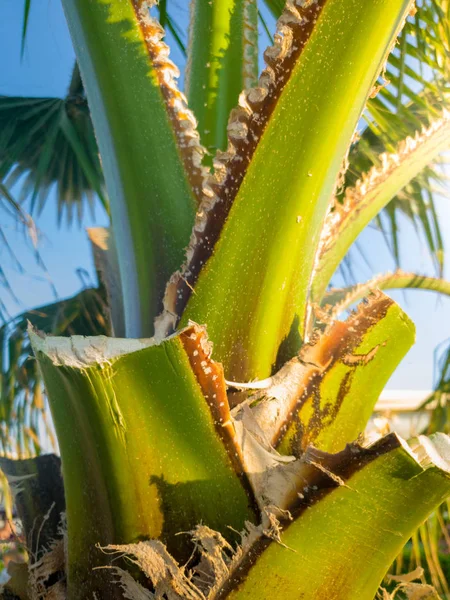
46	142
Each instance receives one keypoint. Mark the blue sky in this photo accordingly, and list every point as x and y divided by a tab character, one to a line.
45	71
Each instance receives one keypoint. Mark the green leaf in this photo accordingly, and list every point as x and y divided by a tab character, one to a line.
349	526
50	140
143	431
26	13
255	287
372	193
15	209
339	300
223	60
276	7
129	80
168	23
76	83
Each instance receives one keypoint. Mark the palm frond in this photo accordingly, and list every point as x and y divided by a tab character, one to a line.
46	141
417	199
417	77
24	425
337	301
26	14
8	202
169	23
13	210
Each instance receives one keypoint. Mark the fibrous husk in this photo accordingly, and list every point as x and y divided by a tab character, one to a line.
168	579
42	574
410	591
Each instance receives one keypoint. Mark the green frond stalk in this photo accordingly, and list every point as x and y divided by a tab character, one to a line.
129	79
315	398
224	454
359	511
367	348
141	426
223	61
266	247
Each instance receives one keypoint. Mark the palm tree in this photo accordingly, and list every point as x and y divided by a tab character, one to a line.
190	478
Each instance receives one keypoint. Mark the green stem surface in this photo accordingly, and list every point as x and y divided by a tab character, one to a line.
253	291
141	453
347	535
223	60
152	203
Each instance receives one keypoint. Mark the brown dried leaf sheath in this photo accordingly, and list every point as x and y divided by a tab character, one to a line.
210	377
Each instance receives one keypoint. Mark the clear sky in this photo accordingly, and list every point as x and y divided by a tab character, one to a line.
45	71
